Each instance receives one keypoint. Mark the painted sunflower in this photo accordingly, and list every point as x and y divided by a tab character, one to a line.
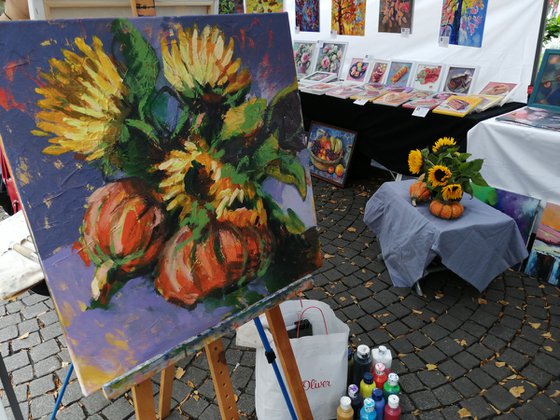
452	192
194	61
415	161
438	175
443	142
83	105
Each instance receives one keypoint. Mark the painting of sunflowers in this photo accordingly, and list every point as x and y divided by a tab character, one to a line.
163	171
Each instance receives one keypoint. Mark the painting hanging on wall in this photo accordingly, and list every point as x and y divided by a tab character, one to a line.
348	17
544	259
230	7
462	22
330	57
163	185
264	6
307	15
304	57
395	15
330	152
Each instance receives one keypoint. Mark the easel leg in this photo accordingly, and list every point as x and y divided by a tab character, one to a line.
165	390
143	397
222	382
286	356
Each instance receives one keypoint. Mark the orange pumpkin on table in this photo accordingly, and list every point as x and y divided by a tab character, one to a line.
419	192
446	210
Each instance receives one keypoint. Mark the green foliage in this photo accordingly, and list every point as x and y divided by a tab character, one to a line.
552	29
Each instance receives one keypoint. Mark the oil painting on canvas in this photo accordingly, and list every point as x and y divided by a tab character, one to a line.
348	17
546	91
330	57
544	260
399	73
462	21
395	15
228	7
459	79
163	169
304	55
264	6
307	15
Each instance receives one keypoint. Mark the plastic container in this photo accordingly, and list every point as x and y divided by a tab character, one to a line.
368	410
392	409
379	403
367	386
383	355
344	410
356	399
392	386
362	363
379	375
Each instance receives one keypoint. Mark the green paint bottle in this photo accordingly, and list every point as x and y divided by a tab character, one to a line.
392	386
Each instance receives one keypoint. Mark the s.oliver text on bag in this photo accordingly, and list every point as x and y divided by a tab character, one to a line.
314	384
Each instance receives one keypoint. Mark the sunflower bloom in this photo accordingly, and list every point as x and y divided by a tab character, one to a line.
195	61
83	105
452	192
193	175
443	142
438	175
415	161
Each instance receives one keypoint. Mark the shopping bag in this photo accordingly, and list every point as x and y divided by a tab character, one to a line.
322	360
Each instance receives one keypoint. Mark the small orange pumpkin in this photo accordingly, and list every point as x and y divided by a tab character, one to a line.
446	210
419	192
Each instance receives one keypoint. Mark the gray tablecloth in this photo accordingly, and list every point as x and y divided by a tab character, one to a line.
478	246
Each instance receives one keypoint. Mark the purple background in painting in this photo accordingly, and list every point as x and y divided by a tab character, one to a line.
152	327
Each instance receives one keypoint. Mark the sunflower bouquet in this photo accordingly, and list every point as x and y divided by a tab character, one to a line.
445	172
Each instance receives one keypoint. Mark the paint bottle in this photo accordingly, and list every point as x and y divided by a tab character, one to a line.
345	411
356	399
380	375
368	410
366	385
362	363
379	402
350	366
382	355
392	386
392	409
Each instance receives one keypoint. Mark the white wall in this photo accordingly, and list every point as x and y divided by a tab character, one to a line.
508	46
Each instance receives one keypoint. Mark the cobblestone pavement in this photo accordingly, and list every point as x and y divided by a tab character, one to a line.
460	353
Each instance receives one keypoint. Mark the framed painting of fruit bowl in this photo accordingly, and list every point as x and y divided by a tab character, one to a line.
164	177
330	152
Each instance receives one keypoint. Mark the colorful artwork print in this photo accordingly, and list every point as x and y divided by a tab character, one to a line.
330	150
544	259
498	88
264	6
357	71
304	52
462	21
399	73
427	77
533	117
307	15
395	15
229	7
459	79
331	57
348	17
163	185
546	91
378	72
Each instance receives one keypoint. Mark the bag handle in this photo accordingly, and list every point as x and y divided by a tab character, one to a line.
301	317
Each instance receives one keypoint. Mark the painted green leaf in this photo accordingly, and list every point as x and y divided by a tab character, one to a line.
288	169
266	153
244	120
283	116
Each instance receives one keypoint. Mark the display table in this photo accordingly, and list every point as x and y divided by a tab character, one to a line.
478	246
520	159
387	133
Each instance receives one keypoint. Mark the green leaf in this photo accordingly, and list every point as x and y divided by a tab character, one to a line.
479	180
145	128
243	120
141	65
476	164
290	220
289	170
266	153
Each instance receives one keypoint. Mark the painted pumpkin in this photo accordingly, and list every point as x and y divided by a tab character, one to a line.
123	232
446	210
226	254
419	192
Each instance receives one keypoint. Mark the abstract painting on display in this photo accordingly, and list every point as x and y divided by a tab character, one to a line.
304	56
330	152
462	21
229	7
544	259
307	15
330	57
395	15
167	187
348	17
546	90
264	6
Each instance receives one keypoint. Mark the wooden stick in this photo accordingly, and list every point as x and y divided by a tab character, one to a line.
143	397
165	390
288	360
222	382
